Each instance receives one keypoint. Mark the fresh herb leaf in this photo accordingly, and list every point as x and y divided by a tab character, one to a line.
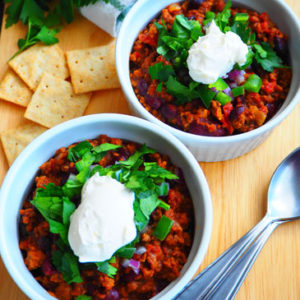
209	17
68	208
67	10
50	190
249	60
58	228
105	147
106	268
133	159
161	72
13	12
267	57
84	297
79	150
222	18
163	189
243	30
163	228
139	218
148	202
125	252
155	171
174	44
72	188
47	35
67	264
241	17
29	10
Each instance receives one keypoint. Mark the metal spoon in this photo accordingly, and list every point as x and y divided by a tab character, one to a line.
223	278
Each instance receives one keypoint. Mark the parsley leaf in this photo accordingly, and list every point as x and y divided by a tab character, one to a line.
79	150
161	72
67	263
84	297
222	18
174	44
154	170
107	268
267	57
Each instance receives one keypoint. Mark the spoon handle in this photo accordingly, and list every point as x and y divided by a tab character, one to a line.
218	270
228	288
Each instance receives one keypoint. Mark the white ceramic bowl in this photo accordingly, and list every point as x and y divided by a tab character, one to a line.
211	148
20	176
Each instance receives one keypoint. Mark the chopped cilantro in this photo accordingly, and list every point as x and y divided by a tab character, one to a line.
107	268
79	150
161	72
84	297
222	18
209	17
267	57
241	17
163	228
67	263
174	44
125	252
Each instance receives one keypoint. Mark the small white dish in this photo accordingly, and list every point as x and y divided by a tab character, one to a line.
18	182
203	147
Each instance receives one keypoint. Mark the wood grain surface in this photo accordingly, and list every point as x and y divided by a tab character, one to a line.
238	187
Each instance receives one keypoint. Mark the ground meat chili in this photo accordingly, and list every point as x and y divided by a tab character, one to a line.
160	261
245	112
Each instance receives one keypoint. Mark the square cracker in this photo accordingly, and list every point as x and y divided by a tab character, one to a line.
54	102
93	69
31	64
16	139
14	90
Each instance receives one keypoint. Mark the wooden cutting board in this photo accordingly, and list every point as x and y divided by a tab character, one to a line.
238	187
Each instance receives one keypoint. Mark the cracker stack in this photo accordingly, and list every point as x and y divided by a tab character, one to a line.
39	81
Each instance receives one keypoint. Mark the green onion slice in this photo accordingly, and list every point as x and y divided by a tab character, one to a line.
163	228
253	83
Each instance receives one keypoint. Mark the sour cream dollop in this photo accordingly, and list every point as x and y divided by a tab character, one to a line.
215	54
104	220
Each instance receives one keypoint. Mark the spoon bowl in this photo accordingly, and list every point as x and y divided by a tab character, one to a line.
284	189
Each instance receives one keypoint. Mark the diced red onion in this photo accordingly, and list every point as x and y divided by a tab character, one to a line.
233	85
125	263
140	250
237	76
131	263
72	176
135	265
214	89
228	92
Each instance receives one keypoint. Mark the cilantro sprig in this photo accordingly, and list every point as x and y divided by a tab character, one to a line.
174	44
45	18
146	179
